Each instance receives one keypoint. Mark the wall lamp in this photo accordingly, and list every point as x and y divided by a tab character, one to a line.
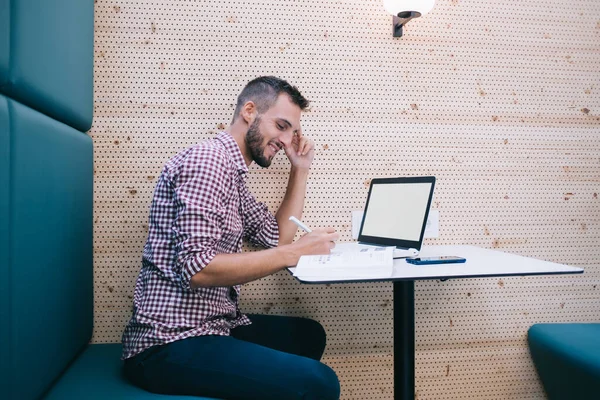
405	10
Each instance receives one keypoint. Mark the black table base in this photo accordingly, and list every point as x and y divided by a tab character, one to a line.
404	340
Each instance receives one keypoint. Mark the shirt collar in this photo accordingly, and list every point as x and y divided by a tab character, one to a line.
234	151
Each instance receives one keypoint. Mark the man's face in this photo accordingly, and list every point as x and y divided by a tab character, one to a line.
273	130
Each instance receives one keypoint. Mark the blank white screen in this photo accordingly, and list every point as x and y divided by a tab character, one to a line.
396	210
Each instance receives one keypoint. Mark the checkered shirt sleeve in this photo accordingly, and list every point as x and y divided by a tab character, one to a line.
201	192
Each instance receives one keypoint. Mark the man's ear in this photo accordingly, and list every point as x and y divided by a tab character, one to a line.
248	112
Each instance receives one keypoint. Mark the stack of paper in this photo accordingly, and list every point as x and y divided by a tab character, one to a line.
352	262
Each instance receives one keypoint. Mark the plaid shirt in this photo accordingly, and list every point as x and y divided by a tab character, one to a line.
201	208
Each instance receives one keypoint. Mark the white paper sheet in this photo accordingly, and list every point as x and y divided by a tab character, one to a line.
344	262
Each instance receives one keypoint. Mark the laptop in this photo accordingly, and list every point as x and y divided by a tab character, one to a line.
396	214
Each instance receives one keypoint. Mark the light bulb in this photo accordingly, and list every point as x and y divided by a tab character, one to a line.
397	6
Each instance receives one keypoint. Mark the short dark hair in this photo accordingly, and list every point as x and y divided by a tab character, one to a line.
264	92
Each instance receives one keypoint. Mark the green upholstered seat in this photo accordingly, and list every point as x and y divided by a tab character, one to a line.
567	358
47	56
97	375
46	283
46	217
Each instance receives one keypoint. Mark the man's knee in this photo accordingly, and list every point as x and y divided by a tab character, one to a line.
321	383
312	338
316	331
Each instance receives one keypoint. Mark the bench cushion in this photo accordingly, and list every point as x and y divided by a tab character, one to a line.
567	358
46	239
97	375
47	56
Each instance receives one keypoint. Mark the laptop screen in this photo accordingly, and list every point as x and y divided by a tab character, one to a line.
396	211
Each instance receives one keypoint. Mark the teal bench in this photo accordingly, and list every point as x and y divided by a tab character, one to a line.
46	248
567	358
96	375
46	265
46	209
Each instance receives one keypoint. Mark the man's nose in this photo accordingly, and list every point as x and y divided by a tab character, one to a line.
286	137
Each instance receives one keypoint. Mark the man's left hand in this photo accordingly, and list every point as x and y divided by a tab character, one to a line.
301	151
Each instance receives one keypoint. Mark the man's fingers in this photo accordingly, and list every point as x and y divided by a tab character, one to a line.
330	233
301	145
308	146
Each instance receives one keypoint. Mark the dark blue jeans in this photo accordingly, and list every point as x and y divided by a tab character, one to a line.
274	358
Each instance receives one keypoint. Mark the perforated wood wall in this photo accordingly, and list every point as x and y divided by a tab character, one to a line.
499	100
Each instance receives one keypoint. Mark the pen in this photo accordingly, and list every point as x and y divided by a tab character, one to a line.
300	224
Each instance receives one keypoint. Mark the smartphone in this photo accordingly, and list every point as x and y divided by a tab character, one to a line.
435	260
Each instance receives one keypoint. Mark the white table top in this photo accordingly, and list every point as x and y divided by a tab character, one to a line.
480	263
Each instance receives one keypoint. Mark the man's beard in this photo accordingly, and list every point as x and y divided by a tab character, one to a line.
254	140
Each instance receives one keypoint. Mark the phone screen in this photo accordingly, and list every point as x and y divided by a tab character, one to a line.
436	260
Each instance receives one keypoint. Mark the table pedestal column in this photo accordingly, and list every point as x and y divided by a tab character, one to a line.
404	340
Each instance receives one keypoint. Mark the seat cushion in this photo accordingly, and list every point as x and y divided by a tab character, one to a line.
567	358
97	375
47	56
46	245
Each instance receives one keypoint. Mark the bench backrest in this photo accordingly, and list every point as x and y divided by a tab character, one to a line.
46	191
46	249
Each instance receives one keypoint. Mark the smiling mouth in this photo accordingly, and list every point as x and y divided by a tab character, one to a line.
275	146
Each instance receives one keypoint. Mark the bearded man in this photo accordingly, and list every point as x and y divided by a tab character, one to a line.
187	335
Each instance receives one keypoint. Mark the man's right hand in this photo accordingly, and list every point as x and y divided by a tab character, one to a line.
319	241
